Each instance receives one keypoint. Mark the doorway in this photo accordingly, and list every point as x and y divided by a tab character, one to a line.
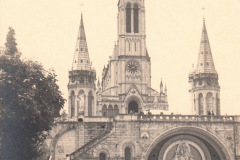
133	107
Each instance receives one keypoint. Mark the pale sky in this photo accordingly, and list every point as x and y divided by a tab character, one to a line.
46	31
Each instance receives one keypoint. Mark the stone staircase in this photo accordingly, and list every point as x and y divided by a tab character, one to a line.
90	144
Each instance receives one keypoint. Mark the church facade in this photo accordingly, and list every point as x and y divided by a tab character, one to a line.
123	118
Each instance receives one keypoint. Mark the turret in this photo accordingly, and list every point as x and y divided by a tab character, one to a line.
205	89
82	77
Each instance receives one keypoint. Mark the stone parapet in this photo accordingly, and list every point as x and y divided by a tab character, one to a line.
184	118
163	118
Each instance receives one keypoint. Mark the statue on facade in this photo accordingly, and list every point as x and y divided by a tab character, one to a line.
183	152
81	103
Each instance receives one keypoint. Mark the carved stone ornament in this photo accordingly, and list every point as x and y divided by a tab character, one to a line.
133	91
145	135
183	152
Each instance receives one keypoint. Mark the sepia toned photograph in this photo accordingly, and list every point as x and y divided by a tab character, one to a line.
119	80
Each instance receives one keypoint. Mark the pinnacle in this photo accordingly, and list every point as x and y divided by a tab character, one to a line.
161	87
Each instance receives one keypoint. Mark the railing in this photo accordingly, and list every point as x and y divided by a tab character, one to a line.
138	117
65	119
98	119
86	119
202	118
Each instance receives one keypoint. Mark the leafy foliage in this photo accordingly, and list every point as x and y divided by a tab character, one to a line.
29	101
11	45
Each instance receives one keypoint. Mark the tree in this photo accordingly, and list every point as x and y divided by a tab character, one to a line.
29	101
11	45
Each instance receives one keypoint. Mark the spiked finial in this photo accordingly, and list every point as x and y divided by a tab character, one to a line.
203	11
161	87
165	90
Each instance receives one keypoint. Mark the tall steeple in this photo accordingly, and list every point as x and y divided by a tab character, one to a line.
205	60
81	59
82	77
205	89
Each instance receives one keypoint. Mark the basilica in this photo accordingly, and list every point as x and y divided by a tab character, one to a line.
120	117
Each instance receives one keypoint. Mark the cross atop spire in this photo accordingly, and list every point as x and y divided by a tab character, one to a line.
205	60
203	11
81	59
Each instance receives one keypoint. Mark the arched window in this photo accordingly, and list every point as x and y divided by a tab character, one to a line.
127	154
116	110
128	18
102	156
90	103
209	102
218	104
136	18
72	104
200	103
110	110
104	111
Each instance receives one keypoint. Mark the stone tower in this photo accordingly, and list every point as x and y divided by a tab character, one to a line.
131	27
126	80
205	89
82	77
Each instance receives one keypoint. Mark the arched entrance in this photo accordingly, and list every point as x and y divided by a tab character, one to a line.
133	107
102	156
187	142
185	147
127	153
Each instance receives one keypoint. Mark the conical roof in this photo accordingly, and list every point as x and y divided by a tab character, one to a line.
205	60
81	60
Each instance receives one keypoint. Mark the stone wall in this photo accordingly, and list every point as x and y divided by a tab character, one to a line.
143	136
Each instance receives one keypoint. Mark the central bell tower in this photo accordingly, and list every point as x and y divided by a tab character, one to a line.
126	80
131	27
131	52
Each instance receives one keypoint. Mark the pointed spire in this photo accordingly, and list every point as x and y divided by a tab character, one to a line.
81	59
161	87
205	60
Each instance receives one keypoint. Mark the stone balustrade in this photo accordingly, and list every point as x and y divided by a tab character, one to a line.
98	119
191	118
137	117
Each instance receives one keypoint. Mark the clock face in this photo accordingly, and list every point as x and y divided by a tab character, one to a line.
132	67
